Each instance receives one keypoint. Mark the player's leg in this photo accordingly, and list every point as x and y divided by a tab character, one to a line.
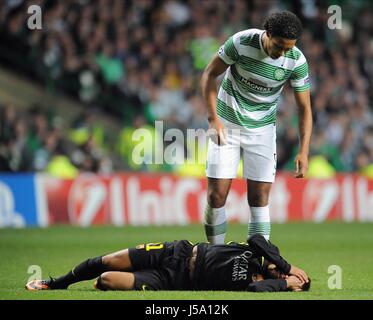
258	195
144	280
118	261
87	270
215	220
259	159
115	280
148	262
221	168
92	268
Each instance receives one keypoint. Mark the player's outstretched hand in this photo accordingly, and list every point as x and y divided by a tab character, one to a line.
299	273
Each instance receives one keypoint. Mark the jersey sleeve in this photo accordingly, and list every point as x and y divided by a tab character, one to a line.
268	285
269	251
299	78
228	52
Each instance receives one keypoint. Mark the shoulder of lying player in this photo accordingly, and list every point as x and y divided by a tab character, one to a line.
258	240
252	239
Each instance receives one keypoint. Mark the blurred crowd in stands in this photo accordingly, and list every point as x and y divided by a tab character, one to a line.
141	61
36	141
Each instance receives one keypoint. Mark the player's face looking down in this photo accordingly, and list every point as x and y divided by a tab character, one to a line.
277	46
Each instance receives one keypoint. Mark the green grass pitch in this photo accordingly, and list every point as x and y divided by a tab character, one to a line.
313	247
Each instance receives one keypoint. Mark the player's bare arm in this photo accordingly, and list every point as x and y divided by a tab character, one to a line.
209	92
303	101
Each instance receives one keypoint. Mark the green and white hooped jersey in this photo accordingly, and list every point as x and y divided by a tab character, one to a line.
253	83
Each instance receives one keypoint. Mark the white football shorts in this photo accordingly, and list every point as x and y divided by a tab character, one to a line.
258	152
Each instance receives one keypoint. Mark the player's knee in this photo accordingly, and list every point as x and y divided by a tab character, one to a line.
104	282
216	199
111	261
107	261
257	199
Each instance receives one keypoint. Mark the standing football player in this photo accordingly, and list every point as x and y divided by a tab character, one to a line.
257	63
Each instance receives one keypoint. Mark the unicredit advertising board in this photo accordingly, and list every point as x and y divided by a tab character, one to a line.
143	199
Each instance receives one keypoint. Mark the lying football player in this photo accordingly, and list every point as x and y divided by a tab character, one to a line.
255	266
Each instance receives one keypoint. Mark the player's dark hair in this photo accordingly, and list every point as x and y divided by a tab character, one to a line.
284	24
306	286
